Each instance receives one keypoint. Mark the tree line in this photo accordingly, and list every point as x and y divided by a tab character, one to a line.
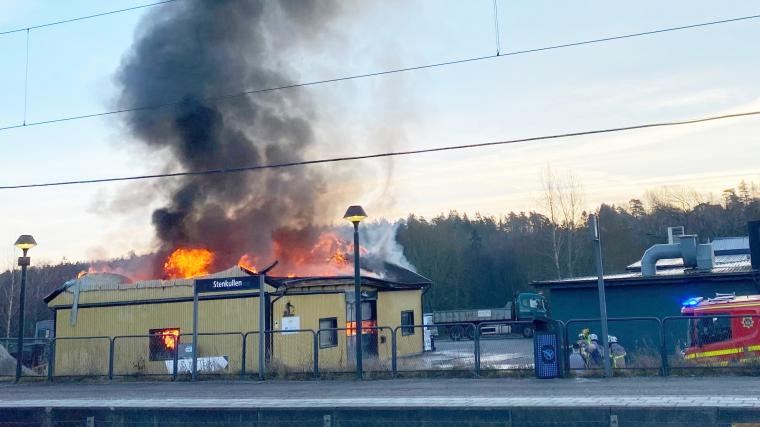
482	261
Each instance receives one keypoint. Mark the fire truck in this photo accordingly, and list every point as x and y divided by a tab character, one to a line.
723	329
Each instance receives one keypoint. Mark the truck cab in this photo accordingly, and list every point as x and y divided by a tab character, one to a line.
725	328
531	306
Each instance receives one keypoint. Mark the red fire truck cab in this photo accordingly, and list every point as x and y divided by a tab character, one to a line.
725	328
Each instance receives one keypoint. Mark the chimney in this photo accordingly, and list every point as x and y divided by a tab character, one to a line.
753	229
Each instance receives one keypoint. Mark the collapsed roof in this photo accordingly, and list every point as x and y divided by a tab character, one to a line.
386	276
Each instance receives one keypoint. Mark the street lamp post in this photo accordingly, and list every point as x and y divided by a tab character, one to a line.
597	237
356	214
24	242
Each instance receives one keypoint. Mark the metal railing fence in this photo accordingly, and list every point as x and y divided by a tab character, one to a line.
77	360
452	348
143	356
502	345
711	343
35	357
335	350
291	353
639	344
218	354
670	345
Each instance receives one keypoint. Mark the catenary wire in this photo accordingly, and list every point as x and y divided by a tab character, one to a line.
81	18
386	154
379	73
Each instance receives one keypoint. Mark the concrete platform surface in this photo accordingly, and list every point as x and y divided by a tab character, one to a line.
717	392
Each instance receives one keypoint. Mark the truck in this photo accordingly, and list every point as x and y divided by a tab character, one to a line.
724	329
525	307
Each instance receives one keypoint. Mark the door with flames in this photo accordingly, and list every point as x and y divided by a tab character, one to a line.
369	324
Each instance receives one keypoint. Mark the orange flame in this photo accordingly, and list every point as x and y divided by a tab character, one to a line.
89	270
333	249
186	263
170	337
326	255
246	262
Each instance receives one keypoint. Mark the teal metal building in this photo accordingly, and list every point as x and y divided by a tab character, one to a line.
657	286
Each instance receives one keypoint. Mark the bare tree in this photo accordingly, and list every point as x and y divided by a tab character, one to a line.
550	200
676	197
562	199
8	293
571	201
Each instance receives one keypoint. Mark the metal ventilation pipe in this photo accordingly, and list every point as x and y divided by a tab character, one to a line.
688	243
686	248
705	256
657	252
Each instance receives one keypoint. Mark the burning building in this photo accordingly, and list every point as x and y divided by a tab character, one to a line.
147	321
189	59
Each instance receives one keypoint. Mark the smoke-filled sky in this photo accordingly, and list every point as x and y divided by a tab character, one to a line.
96	65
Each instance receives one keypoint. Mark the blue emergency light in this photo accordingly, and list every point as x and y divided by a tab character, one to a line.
691	302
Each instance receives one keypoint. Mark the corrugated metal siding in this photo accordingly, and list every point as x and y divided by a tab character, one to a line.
292	351
389	308
131	355
293	348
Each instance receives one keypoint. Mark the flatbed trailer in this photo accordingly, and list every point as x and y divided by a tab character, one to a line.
515	317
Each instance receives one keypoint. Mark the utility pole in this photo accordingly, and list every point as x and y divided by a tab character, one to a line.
262	326
602	299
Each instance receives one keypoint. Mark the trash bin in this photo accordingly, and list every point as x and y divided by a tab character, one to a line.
546	354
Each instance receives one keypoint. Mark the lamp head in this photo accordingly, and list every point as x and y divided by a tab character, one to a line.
355	214
25	242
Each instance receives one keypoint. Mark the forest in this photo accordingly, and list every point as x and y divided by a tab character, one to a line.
481	261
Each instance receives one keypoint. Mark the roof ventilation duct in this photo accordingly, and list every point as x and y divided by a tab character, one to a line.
686	248
658	252
705	256
688	245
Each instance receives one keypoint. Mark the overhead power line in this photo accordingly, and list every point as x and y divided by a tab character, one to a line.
81	18
379	73
385	154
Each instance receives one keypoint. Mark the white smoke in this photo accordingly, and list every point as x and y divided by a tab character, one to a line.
378	238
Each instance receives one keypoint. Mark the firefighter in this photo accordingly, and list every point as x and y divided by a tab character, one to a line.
576	359
617	352
583	347
595	350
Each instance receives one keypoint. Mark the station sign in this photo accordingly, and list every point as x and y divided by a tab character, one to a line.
224	284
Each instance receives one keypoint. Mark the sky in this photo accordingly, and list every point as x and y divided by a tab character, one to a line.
673	76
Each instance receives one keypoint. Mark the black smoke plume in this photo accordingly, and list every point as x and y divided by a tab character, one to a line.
195	49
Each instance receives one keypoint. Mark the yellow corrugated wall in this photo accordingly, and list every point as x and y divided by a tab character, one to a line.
293	352
296	350
389	308
131	355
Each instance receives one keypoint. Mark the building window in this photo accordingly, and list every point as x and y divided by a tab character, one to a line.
407	322
328	336
163	343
